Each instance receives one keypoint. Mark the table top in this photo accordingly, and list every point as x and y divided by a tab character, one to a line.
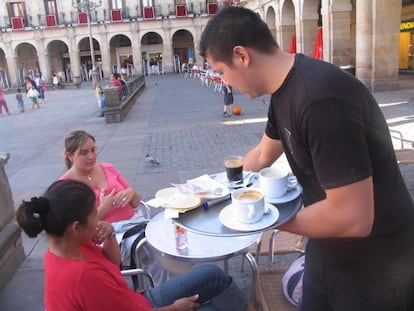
207	222
201	248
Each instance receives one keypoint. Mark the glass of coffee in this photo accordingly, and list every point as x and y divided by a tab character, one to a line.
234	168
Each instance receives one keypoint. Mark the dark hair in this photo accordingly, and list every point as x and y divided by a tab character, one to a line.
235	26
64	202
73	141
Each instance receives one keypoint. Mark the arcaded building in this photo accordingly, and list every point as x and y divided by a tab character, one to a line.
371	38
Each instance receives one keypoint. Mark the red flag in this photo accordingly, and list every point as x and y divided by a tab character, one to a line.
318	47
292	49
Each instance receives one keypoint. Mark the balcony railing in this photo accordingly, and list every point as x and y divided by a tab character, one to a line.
75	18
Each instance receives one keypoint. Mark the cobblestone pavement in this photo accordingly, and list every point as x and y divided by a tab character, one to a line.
176	120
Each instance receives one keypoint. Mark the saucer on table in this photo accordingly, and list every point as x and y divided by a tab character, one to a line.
174	199
288	196
228	219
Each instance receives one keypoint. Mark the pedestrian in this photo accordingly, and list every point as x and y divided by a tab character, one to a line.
228	99
358	213
33	94
82	261
19	100
55	82
100	98
41	86
3	103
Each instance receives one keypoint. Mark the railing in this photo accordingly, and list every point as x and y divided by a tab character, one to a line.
69	19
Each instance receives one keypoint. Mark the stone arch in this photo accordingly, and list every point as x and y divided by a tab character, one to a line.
183	47
120	53
151	51
270	19
4	71
57	59
85	58
288	25
27	61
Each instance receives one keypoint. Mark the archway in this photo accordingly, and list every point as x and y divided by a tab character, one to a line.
151	53
59	60
27	62
183	49
4	72
86	59
120	50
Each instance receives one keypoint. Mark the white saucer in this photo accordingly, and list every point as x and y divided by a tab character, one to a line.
288	196
227	218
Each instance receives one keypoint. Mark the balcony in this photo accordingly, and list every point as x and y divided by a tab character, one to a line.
50	21
17	23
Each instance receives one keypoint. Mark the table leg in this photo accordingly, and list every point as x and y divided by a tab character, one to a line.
253	266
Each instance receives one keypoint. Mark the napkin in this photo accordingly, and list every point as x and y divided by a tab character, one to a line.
206	183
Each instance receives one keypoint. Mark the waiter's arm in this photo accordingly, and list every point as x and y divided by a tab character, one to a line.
263	155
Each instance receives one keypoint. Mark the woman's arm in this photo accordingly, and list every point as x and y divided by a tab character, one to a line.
105	234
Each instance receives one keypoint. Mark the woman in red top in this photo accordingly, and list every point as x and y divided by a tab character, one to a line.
79	275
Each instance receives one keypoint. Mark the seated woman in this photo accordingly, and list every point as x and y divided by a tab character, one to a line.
79	275
116	200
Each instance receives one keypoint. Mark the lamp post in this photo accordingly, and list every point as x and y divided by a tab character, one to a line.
89	6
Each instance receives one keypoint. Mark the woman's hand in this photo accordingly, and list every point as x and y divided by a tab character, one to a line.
187	303
104	230
125	197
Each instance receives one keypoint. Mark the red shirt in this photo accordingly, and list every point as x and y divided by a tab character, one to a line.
117	83
92	284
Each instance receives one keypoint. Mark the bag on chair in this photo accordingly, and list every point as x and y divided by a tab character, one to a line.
292	281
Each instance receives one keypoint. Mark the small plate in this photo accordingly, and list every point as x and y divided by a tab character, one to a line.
248	178
172	198
287	197
227	219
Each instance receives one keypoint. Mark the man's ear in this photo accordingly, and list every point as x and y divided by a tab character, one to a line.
241	56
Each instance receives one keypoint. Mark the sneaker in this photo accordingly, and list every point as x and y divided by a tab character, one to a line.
225	114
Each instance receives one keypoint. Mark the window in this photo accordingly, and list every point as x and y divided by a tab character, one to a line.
18	15
212	8
180	8
148	9
51	13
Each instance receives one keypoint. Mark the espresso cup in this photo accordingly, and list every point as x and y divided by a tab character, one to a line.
248	205
276	181
234	168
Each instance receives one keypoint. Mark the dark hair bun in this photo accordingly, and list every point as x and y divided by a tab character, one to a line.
39	207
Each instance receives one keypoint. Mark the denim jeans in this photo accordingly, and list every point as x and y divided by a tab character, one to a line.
216	290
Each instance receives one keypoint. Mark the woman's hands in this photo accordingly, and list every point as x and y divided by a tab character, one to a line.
104	230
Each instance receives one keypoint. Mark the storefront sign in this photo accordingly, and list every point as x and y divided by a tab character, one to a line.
407	25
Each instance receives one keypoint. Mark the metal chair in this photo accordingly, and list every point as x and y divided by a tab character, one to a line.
269	289
139	273
405	158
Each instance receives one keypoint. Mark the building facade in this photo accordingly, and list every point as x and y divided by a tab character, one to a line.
371	38
53	36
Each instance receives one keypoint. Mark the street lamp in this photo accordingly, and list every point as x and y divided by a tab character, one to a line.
89	6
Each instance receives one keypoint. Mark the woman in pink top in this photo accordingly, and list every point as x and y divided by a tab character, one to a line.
115	199
3	103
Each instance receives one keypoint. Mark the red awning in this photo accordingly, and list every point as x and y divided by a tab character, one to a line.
318	47
292	49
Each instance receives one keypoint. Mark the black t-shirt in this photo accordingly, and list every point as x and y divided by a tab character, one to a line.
334	134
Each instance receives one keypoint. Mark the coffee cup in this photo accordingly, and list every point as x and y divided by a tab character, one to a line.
248	205
234	168
276	181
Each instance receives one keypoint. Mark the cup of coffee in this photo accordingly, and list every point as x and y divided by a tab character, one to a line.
248	205
234	168
276	181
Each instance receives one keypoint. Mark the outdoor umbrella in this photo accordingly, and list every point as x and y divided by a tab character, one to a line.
292	49
318	47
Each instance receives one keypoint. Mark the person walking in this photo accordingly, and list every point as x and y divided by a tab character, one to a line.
228	99
19	100
33	94
3	103
358	212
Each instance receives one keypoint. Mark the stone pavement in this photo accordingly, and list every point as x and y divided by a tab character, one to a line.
175	120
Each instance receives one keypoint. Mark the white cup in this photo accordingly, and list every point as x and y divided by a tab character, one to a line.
276	181
248	205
